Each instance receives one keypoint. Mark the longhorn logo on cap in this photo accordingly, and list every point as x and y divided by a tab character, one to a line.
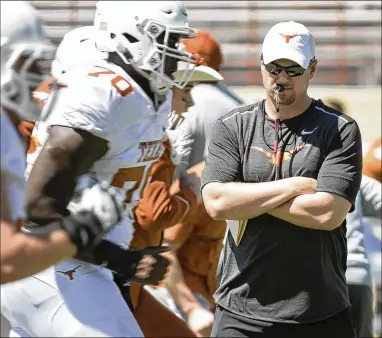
288	37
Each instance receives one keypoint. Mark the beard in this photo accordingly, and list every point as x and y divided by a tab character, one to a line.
285	98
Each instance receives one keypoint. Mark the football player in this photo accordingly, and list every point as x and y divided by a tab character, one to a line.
23	47
105	120
148	268
157	209
162	207
81	39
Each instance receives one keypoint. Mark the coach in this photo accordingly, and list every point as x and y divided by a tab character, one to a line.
291	167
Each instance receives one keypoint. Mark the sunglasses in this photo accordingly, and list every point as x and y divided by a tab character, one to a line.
291	71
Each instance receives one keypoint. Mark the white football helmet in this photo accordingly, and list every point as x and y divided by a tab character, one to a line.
23	45
146	34
76	48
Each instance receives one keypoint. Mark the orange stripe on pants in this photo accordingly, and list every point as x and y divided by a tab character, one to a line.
155	320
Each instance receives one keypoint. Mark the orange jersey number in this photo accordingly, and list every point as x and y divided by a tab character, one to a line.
132	179
118	82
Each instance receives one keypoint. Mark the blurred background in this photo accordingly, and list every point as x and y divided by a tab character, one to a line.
348	49
347	33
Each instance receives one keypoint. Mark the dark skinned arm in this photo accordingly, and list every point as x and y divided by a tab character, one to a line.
67	154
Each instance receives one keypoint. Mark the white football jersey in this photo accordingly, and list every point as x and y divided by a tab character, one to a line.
109	104
12	167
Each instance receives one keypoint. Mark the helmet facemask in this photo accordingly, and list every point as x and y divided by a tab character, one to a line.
22	72
160	44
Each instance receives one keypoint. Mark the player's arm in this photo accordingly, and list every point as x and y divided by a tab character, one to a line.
338	183
67	154
23	255
77	138
70	150
159	208
225	197
198	318
178	234
177	286
175	237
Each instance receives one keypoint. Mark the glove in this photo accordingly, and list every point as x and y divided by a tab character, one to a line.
143	266
181	140
96	208
151	266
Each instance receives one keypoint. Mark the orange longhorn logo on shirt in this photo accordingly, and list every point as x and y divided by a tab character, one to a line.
280	156
69	273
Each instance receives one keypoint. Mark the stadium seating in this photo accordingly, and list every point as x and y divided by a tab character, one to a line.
347	33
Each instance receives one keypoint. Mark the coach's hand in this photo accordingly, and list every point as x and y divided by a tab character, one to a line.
303	185
151	266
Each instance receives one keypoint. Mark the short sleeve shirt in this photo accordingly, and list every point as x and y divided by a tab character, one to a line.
281	272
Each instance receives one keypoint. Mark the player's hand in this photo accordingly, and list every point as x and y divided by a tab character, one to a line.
192	181
181	140
174	120
303	185
151	266
97	208
200	320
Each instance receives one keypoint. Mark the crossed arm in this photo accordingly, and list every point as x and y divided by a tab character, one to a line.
320	204
293	200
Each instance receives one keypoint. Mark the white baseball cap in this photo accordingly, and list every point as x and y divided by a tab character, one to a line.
289	40
200	74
